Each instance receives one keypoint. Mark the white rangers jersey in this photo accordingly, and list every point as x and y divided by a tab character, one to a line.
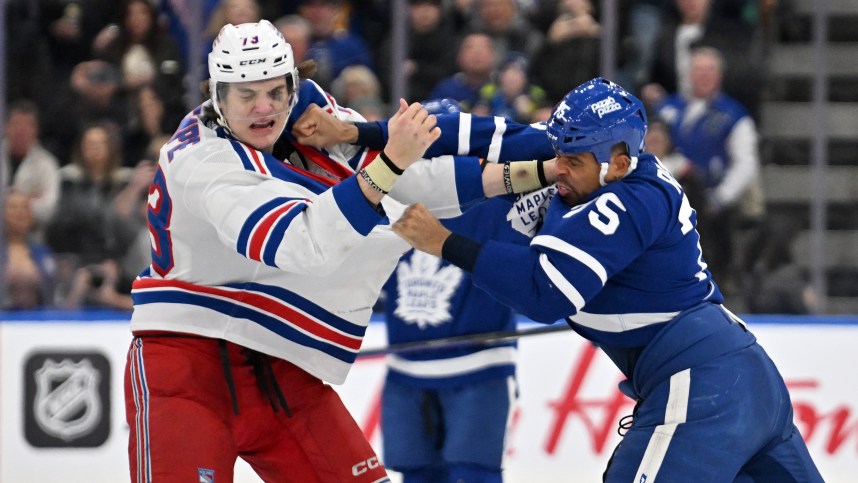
270	256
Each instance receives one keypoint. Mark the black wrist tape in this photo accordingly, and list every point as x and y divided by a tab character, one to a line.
507	182
396	169
540	171
461	251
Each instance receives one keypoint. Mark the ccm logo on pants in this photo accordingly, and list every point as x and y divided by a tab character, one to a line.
365	466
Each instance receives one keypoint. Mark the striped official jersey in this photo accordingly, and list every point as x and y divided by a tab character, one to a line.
269	255
428	298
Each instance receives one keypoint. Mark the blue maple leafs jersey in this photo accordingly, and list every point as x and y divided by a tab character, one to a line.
492	138
429	298
618	266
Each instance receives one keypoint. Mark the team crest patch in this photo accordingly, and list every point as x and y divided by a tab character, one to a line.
67	399
206	476
527	212
425	290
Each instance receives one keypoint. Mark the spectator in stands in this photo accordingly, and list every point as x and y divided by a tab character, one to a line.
513	96
777	284
148	123
27	165
429	58
718	134
510	31
97	286
699	26
296	31
333	46
659	143
70	27
84	224
107	283
144	53
29	67
358	88
570	54
234	12
28	280
644	19
93	95
179	16
476	60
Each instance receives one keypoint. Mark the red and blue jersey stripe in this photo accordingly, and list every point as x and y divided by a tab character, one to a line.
261	234
278	310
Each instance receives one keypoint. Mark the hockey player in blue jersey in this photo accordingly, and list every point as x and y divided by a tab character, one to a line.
445	412
618	256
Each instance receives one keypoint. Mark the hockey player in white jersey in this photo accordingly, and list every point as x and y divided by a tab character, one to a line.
617	255
264	273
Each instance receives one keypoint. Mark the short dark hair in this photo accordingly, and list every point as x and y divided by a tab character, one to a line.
23	106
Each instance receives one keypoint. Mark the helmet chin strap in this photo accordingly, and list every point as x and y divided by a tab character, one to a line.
221	119
603	171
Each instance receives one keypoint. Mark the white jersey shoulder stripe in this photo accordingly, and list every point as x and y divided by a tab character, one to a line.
497	140
250	158
464	134
566	248
560	281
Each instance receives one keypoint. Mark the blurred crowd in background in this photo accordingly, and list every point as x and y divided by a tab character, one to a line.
95	87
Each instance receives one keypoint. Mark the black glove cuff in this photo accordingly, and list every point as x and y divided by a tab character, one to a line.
461	251
370	135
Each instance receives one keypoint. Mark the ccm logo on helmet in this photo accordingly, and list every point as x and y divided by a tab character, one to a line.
252	61
365	466
605	106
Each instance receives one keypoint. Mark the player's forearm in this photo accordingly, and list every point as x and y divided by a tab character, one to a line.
510	273
516	177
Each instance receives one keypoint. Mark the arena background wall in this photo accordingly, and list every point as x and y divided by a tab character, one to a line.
62	416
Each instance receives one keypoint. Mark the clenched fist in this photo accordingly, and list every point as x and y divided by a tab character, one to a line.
410	132
421	229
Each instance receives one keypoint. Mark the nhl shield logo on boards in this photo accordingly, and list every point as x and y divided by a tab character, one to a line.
67	399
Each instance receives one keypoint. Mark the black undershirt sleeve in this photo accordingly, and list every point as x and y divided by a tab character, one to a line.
461	251
370	135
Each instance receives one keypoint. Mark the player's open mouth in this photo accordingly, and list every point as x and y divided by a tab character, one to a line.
262	125
565	190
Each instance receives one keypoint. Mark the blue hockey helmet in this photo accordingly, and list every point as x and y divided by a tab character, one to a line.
594	117
443	105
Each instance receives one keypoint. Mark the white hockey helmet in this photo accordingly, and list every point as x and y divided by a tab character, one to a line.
251	52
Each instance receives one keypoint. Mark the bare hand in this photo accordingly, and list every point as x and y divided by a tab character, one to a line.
320	129
421	229
411	131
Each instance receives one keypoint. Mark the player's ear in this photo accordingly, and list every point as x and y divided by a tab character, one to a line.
620	163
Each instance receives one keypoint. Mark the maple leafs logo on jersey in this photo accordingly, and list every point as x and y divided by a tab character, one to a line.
425	290
529	208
